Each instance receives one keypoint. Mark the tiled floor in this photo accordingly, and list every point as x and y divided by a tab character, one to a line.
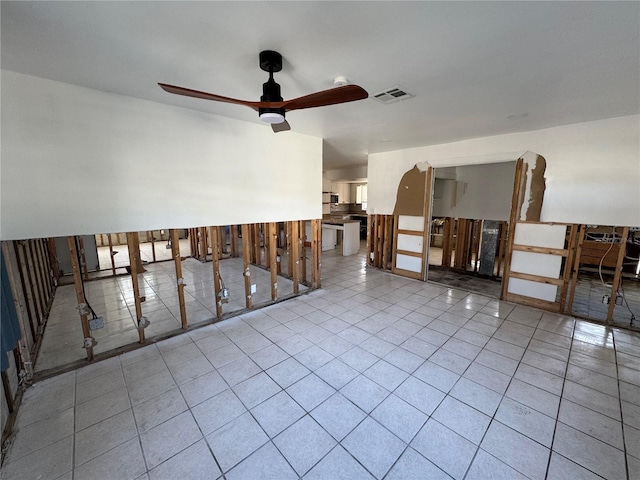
374	376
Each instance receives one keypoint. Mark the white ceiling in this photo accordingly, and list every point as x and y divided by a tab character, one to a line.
476	69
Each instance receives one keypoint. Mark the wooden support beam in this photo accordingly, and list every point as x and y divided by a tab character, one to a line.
89	342
571	247
576	267
215	261
177	261
295	257
26	267
8	394
233	230
273	262
316	253
290	259
204	245
112	255
503	242
369	240
24	290
44	270
83	257
134	261
193	242
303	250
15	293
447	241
387	242
53	260
513	218
618	273
37	274
246	257
477	236
153	244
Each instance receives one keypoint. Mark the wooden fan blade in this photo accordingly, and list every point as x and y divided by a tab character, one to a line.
187	92
280	127
333	96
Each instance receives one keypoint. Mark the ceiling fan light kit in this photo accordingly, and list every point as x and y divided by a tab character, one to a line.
271	107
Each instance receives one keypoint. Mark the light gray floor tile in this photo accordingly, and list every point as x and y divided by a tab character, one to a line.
374	447
399	417
422	396
634	467
589	452
294	344
377	346
288	372
431	336
267	463
236	440
593	399
631	414
98	386
520	452
277	413
338	416
304	443
464	349
103	436
451	361
365	393
561	468
477	396
404	360
632	441
269	356
124	461
194	368
419	347
411	464
629	393
42	433
314	357
487	466
527	421
507	349
497	362
445	448
436	376
336	373
224	355
539	378
386	375
151	386
159	409
239	370
168	438
534	397
358	358
462	419
51	461
194	462
217	411
256	390
203	388
496	381
600	426
253	343
338	465
545	363
310	392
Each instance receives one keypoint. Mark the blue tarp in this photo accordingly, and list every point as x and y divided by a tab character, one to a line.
9	327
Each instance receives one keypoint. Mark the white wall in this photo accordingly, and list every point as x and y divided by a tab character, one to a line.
592	175
80	161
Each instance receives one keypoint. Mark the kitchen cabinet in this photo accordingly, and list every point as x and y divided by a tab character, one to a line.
343	190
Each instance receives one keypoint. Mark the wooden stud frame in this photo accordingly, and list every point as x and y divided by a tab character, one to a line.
295	257
89	342
27	301
618	273
233	230
177	260
134	260
273	262
215	261
316	253
246	256
111	255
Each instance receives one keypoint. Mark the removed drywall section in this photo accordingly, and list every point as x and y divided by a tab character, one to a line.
592	169
410	194
66	149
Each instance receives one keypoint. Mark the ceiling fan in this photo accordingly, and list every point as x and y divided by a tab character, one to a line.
272	107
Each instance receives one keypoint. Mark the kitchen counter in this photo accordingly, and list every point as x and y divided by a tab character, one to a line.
350	235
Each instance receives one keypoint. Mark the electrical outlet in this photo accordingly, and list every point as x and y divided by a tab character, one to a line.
619	300
96	323
606	299
254	288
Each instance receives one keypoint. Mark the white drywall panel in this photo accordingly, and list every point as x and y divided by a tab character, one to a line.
540	235
410	243
592	168
411	222
81	161
406	262
536	264
527	288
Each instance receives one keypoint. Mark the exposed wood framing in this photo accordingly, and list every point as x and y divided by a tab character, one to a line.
233	230
477	236
18	305
316	252
246	256
222	240
566	276
112	255
618	273
83	258
273	263
302	230
134	261
295	257
203	244
152	239
513	218
53	260
37	274
177	260
576	268
287	235
89	342
8	395
370	240
387	242
215	260
27	302
193	242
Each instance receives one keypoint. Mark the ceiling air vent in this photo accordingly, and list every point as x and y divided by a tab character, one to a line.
392	95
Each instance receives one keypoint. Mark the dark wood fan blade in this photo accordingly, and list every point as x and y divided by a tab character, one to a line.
333	96
187	92
280	127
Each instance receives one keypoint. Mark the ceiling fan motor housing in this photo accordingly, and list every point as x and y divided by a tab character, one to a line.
271	61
